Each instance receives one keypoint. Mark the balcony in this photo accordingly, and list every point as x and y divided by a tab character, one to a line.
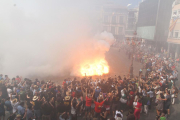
174	40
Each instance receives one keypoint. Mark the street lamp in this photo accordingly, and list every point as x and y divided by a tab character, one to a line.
133	43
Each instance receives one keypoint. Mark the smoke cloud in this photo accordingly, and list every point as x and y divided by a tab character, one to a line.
42	37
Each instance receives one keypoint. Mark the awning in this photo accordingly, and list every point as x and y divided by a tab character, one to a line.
175	41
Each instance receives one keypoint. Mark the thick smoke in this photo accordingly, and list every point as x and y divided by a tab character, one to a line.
43	37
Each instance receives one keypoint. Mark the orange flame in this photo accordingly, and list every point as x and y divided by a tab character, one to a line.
97	68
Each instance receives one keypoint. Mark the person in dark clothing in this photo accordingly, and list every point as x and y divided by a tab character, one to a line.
130	115
29	114
2	109
4	92
103	114
37	106
29	97
46	110
115	102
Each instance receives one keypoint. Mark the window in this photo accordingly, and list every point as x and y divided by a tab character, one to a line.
179	12
113	30
106	19
113	19
176	34
121	19
131	14
175	12
120	30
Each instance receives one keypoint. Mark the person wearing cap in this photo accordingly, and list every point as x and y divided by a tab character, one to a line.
18	117
37	106
67	102
14	104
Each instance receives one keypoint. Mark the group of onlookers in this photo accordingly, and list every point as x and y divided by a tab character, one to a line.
88	98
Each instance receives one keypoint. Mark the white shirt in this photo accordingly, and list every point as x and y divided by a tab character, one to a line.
156	87
14	89
14	106
144	93
159	92
9	91
171	76
175	75
118	112
122	92
134	103
140	89
73	110
151	94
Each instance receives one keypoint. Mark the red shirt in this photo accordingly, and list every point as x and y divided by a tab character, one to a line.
138	105
98	106
18	80
173	67
63	83
88	101
73	94
121	81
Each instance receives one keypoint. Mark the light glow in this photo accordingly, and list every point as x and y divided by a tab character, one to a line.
99	67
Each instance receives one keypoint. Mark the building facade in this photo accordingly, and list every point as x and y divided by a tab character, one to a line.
131	23
153	22
114	20
174	31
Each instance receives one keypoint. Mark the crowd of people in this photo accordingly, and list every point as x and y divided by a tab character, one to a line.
97	99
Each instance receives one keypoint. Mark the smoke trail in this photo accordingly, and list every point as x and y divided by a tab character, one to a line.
47	37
